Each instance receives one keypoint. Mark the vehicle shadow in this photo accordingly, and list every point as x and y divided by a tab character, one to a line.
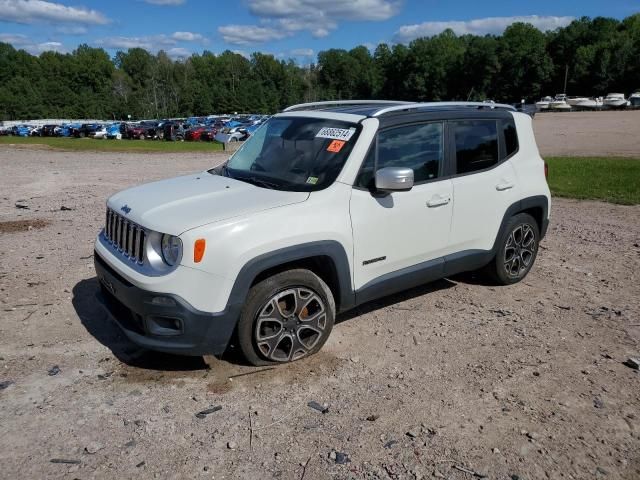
390	300
102	327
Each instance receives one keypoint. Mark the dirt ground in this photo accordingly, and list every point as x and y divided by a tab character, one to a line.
520	382
604	134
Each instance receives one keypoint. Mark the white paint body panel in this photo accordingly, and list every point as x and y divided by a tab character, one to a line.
400	227
182	203
479	207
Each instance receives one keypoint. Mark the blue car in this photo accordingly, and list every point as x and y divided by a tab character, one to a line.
114	131
67	129
22	130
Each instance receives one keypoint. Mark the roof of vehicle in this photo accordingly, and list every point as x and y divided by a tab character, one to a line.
386	108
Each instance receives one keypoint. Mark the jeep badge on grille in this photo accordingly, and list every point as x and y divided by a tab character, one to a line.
125	208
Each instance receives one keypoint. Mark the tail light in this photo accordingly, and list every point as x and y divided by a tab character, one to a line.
546	170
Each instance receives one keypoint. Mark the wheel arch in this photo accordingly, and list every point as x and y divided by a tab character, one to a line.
327	259
537	206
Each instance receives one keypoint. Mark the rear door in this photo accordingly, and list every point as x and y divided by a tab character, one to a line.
484	181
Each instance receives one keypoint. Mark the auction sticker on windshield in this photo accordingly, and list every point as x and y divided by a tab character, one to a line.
336	146
336	133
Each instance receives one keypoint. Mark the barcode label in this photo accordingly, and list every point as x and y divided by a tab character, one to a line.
336	133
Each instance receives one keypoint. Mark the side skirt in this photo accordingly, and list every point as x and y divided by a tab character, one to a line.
422	273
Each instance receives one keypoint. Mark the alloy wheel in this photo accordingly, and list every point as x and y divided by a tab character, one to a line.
519	250
290	324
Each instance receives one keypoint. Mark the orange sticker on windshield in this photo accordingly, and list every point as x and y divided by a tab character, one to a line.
336	146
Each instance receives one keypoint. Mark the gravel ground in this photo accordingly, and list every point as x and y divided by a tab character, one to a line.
526	381
605	134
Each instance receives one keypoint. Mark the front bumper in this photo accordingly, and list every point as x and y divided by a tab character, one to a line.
161	321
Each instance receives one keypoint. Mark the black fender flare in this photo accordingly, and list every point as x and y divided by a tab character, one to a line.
474	259
327	248
537	201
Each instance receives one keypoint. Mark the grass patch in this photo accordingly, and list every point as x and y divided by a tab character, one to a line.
615	180
89	144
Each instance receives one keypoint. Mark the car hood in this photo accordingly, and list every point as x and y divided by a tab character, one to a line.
179	204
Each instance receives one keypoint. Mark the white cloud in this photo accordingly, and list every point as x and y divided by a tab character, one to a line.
39	48
479	26
248	34
283	18
302	52
72	30
165	2
178	53
34	11
152	43
25	43
15	39
189	37
326	9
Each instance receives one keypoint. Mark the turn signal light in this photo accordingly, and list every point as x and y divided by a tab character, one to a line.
198	250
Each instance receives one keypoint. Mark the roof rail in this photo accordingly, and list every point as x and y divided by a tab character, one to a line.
477	105
338	103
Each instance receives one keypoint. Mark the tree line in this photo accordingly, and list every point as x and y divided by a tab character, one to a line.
597	56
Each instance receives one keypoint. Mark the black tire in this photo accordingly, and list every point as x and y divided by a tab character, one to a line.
296	339
517	250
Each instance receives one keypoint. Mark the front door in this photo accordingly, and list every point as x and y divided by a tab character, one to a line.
394	234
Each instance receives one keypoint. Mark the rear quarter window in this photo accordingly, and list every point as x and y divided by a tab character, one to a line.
510	137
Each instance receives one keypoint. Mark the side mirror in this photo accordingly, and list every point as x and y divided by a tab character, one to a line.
394	179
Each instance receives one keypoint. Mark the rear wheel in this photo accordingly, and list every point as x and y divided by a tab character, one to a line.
518	250
286	317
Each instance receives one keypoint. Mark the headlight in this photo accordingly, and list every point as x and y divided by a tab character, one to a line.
171	249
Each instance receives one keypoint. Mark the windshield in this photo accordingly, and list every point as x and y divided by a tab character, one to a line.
299	154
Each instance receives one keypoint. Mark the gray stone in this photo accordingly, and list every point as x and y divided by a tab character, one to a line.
93	447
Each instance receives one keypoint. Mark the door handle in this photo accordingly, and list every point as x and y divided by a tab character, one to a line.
437	201
504	186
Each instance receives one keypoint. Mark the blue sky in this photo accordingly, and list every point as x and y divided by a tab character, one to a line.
286	28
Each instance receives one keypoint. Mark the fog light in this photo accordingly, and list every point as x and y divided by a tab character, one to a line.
164	326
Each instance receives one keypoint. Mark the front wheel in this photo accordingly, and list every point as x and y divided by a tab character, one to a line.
517	250
286	317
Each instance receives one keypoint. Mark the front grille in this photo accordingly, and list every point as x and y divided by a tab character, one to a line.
127	237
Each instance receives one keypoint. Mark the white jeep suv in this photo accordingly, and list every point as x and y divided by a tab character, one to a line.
327	206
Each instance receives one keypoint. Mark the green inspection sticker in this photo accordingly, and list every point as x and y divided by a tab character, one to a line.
312	180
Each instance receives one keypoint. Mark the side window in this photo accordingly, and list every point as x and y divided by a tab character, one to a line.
476	144
510	137
419	147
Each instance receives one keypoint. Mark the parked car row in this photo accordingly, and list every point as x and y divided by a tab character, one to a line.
213	128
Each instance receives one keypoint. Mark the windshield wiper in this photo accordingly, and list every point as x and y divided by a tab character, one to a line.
259	182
